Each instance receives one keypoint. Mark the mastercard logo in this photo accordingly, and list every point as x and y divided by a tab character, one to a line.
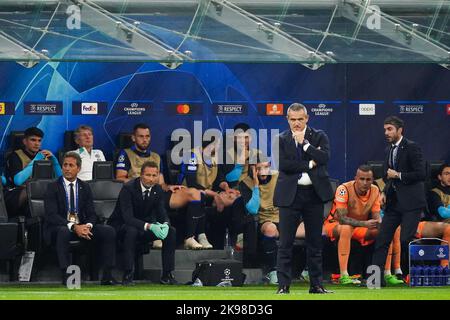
183	109
2	108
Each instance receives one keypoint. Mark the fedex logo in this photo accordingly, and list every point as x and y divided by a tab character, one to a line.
89	108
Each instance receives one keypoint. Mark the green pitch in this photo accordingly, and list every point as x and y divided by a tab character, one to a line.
261	292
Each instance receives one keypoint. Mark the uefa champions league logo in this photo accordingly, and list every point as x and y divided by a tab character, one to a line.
441	253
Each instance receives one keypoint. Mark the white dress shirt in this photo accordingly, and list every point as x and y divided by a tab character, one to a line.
395	154
304	178
144	189
75	191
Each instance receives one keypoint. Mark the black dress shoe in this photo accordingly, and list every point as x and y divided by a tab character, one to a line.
283	290
109	282
319	290
108	279
128	278
168	279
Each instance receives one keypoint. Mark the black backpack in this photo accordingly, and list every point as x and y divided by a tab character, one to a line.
218	272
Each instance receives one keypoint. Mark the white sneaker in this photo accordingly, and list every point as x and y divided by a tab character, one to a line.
192	244
272	277
157	244
204	241
239	242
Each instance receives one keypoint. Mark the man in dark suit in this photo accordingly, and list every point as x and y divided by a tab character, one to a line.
302	188
140	215
403	195
70	215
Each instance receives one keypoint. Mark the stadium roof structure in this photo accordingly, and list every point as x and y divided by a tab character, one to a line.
309	32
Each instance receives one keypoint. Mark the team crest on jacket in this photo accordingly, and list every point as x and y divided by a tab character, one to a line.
341	194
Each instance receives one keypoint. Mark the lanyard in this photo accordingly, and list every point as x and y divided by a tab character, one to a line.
75	185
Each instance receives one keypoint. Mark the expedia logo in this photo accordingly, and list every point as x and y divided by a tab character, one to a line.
414	109
367	109
89	108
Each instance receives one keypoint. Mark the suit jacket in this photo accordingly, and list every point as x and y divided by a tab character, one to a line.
55	203
132	210
410	189
291	166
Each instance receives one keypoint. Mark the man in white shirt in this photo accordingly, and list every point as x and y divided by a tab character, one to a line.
403	196
302	188
70	215
140	216
84	137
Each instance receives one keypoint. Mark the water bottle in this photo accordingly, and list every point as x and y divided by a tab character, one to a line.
438	276
227	245
433	272
426	276
444	276
419	272
413	276
447	276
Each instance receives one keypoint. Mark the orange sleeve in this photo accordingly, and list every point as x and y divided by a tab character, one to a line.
376	207
341	197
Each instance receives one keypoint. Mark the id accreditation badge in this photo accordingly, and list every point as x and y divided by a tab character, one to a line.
73	218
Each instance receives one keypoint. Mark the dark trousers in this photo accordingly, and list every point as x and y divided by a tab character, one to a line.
195	219
131	236
232	218
235	219
408	220
16	202
308	206
194	225
270	249
104	239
